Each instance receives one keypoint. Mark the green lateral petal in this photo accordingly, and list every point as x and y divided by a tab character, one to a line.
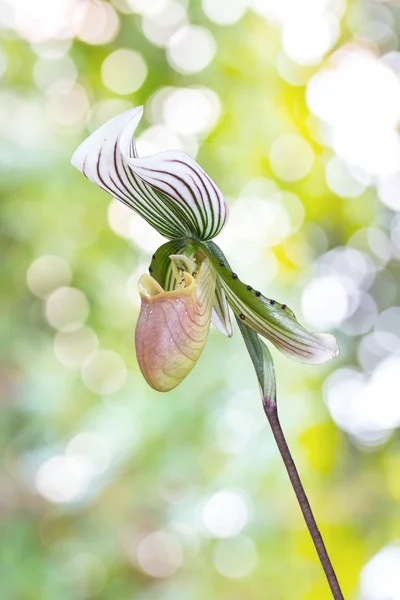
161	265
221	318
262	361
273	320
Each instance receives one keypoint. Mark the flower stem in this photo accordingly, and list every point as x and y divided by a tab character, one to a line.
271	411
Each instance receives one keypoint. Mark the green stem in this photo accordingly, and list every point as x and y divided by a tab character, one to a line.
264	368
271	411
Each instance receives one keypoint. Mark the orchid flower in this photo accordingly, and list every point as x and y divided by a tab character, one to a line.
190	283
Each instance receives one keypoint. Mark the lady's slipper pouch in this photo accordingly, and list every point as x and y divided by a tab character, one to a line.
190	282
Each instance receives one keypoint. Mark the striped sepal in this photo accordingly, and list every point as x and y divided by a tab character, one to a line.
169	190
221	318
273	320
196	200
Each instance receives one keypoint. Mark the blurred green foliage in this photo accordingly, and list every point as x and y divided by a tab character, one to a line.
109	490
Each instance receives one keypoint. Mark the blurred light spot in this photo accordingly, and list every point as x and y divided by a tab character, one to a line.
255	258
24	130
325	302
373	242
119	429
235	429
104	372
124	71
41	20
158	138
144	235
67	309
159	27
376	346
307	38
159	554
62	479
377	32
147	7
123	6
353	267
119	218
380	578
248	212
259	202
52	49
48	273
226	513
383	289
96	22
156	103
392	60
260	187
395	236
356	15
389	190
389	321
363	318
341	181
87	574
190	540
90	446
291	72
191	49
190	111
235	558
72	348
103	111
48	72
67	105
367	408
298	250
286	11
294	208
291	157
359	99
225	12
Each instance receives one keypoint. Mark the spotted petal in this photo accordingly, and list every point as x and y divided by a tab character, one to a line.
173	326
169	190
269	318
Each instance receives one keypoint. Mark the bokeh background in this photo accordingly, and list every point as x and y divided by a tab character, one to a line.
109	490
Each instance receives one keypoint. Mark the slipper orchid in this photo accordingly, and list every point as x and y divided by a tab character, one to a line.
190	282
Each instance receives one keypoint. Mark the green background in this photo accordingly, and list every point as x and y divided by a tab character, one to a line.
109	490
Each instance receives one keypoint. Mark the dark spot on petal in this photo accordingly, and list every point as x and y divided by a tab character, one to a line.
258	294
242	316
272	302
154	257
283	306
221	262
249	288
234	276
150	270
